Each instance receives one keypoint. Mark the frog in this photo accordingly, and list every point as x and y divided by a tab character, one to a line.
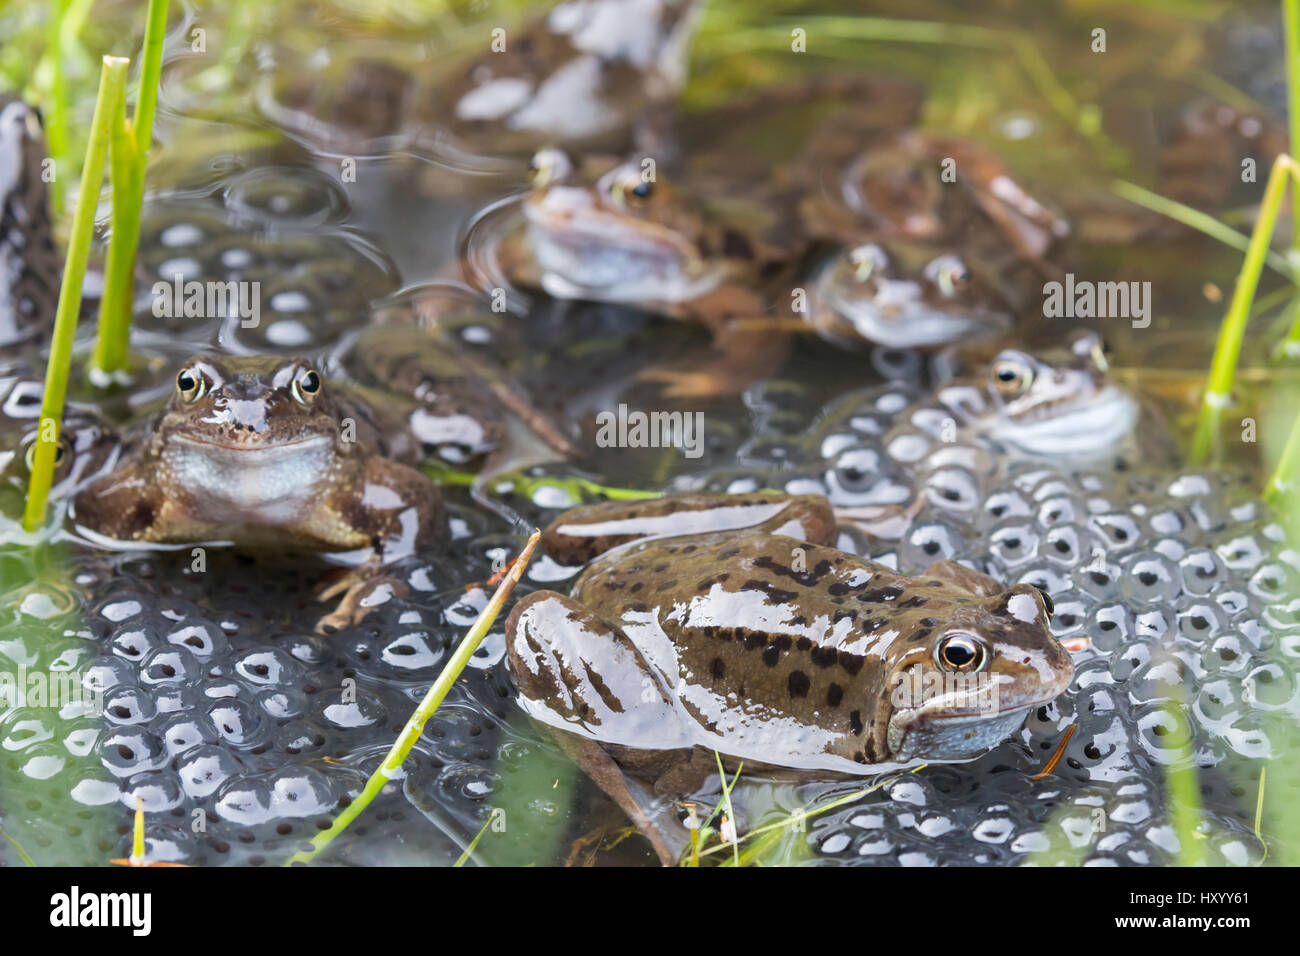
920	185
729	624
586	74
87	446
261	452
30	268
1054	404
623	231
903	295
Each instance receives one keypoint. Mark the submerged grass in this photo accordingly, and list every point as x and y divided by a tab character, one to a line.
401	749
108	102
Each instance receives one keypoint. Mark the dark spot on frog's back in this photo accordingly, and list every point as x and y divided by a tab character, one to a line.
718	669
798	684
834	694
775	595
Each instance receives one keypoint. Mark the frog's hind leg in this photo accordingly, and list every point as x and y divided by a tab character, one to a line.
587	531
589	683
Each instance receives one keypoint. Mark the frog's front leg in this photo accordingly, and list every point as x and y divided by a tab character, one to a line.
581	534
584	678
392	508
385	505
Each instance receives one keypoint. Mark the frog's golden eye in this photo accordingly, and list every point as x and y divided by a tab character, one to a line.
632	189
1011	376
960	654
191	384
867	261
60	453
305	386
547	166
949	275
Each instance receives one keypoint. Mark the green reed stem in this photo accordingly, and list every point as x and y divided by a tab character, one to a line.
1218	390
131	141
112	85
1286	476
1291	29
400	750
56	122
1181	786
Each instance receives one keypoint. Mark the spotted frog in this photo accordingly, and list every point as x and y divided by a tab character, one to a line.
261	452
903	295
727	623
622	232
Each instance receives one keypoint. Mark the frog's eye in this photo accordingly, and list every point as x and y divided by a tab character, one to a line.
632	189
547	166
1048	603
191	384
867	261
1011	376
60	453
949	274
305	386
960	654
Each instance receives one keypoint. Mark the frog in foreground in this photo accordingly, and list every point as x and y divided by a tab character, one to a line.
727	623
261	452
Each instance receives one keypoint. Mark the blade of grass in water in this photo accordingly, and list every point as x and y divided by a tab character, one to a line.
469	850
1200	221
112	84
131	142
1218	390
397	754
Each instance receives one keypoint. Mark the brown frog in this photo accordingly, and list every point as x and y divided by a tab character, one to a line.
624	232
261	452
727	623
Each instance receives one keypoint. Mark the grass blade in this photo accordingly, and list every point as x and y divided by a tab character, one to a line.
108	102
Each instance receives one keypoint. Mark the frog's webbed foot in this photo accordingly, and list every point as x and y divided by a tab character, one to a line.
585	678
359	591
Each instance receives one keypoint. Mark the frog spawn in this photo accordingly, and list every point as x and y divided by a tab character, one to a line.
243	733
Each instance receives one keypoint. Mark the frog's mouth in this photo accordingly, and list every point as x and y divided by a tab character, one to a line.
951	737
965	723
895	313
583	253
1090	425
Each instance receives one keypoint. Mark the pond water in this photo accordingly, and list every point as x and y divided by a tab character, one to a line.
300	150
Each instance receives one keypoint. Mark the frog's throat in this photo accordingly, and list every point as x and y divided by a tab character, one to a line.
610	264
265	484
951	738
1092	425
